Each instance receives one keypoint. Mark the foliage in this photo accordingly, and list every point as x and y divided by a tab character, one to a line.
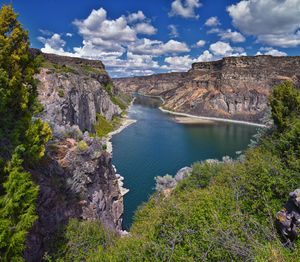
90	69
285	104
103	126
82	146
21	139
114	99
61	93
79	240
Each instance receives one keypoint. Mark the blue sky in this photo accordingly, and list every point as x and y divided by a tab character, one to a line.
136	37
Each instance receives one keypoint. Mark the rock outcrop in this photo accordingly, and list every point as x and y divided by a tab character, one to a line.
232	88
288	219
76	178
74	99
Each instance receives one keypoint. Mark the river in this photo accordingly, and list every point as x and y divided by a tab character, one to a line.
157	145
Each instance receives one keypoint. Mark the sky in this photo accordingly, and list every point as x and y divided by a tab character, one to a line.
143	37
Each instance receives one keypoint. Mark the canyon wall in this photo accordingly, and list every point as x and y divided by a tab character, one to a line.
231	88
76	178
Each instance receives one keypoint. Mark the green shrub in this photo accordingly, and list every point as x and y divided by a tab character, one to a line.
103	126
82	146
61	93
104	147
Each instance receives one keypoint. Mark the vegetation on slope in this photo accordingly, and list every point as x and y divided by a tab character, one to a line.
224	211
22	140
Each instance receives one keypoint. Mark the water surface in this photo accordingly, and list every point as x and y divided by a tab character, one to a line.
156	145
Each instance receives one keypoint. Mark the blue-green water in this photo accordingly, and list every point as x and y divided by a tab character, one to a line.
156	145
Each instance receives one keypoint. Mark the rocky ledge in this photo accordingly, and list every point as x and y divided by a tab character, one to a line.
232	88
76	180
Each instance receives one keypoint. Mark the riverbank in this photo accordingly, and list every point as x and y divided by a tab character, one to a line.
210	118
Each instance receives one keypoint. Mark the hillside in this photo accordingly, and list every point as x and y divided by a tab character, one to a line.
231	88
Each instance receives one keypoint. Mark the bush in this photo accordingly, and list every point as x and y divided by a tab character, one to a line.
82	146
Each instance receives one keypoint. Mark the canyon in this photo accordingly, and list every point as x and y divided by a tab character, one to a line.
232	88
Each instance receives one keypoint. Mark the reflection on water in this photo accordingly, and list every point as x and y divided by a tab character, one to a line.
157	145
152	102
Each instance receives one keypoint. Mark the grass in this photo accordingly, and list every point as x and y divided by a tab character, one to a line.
115	100
90	69
103	126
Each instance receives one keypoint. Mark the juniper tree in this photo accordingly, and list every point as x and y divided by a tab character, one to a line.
22	140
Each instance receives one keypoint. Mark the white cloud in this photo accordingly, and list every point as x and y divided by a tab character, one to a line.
46	32
98	26
200	43
69	34
205	57
186	9
139	16
55	42
146	29
184	63
173	31
157	48
274	22
222	49
212	21
271	51
235	37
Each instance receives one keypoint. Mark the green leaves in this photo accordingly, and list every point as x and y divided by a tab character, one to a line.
22	142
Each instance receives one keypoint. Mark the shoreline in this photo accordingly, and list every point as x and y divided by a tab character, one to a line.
125	123
211	118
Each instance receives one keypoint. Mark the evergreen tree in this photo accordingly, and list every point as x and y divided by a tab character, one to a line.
22	140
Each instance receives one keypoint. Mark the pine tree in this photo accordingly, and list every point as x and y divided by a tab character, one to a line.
22	140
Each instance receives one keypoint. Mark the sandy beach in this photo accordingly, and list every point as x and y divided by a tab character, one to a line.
197	118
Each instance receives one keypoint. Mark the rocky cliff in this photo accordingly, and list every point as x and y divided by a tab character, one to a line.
234	87
76	177
72	91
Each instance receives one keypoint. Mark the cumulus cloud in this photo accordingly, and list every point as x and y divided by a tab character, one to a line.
173	31
228	34
183	63
139	16
157	48
212	21
274	22
235	37
200	43
98	26
69	34
271	51
222	49
146	29
185	9
55	42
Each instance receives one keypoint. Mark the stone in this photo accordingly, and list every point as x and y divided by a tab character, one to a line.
288	219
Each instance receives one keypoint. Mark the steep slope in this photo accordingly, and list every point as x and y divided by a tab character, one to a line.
234	87
76	177
72	91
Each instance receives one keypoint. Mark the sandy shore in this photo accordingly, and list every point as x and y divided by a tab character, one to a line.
210	118
192	120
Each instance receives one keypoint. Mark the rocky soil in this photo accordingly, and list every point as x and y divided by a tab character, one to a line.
231	88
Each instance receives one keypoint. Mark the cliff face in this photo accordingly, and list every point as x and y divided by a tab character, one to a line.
74	99
76	177
234	87
76	180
